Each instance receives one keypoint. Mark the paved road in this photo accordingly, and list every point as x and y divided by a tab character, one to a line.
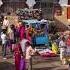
49	64
38	64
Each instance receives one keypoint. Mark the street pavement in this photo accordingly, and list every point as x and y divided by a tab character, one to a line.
38	63
49	64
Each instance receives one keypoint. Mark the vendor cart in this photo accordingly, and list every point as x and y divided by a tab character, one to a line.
40	37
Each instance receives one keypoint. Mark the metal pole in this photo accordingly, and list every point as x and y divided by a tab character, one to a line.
53	10
69	67
31	63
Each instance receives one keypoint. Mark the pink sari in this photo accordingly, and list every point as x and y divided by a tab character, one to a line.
29	37
21	31
17	57
19	61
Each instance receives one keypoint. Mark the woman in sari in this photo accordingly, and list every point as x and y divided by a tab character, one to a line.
19	58
21	30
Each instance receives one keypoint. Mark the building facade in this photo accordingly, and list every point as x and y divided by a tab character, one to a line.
12	5
47	6
51	9
65	13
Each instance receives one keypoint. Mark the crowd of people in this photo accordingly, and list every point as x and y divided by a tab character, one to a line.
64	46
61	45
34	14
18	40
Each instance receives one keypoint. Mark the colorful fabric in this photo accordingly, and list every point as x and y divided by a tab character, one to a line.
55	48
17	57
22	64
21	32
68	42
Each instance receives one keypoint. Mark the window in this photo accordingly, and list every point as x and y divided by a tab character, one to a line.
14	0
13	4
47	9
68	10
46	5
68	2
68	13
37	5
37	0
56	1
43	5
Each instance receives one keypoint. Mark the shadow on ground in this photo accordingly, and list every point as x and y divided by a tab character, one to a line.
48	68
6	66
45	68
45	60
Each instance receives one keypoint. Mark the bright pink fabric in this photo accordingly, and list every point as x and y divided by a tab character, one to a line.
21	32
68	42
17	57
28	37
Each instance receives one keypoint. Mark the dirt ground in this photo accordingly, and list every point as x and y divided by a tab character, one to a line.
37	63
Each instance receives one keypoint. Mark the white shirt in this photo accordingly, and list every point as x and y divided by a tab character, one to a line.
61	44
23	43
5	22
3	37
29	52
11	33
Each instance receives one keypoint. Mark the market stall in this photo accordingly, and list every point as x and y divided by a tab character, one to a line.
40	37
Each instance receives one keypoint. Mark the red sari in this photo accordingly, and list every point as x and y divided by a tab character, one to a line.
21	32
17	57
28	36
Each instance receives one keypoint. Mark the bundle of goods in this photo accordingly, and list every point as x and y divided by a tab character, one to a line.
47	53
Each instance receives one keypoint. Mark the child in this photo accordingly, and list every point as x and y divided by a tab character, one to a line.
4	43
62	46
29	52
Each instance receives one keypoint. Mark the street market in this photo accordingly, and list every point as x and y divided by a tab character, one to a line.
34	35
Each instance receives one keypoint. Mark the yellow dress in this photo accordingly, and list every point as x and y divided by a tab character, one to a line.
55	48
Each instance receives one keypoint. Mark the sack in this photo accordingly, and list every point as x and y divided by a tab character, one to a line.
22	64
47	54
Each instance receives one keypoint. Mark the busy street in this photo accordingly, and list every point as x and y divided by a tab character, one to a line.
34	34
48	64
53	65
